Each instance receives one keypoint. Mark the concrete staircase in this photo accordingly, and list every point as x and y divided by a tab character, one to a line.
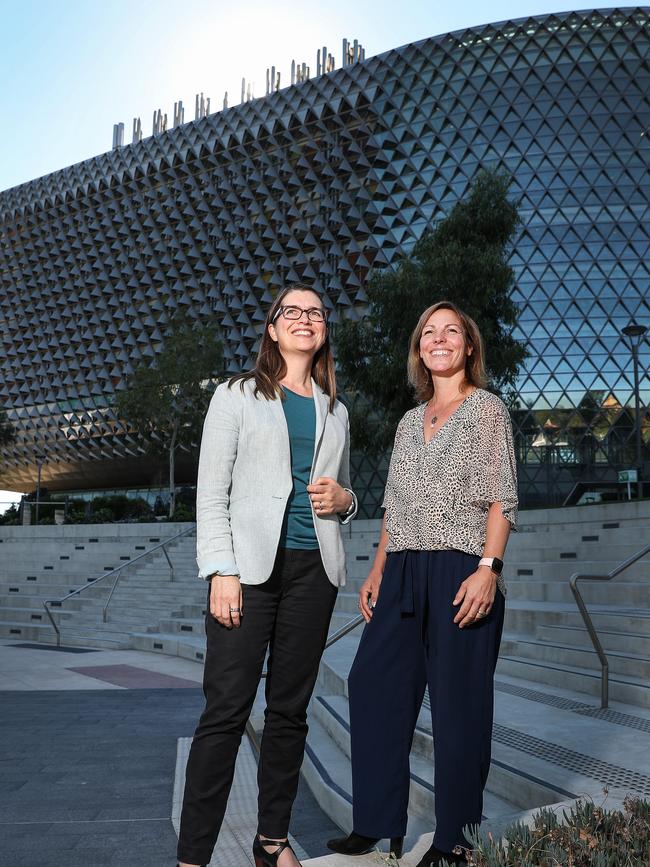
39	563
548	677
547	664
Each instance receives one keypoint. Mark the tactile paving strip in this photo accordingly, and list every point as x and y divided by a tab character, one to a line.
579	763
607	714
616	717
604	772
542	697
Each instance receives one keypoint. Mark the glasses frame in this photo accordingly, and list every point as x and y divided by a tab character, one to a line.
308	310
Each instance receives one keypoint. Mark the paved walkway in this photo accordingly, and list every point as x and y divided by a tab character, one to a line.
93	747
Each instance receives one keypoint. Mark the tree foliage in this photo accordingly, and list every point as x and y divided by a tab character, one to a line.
463	259
7	432
166	401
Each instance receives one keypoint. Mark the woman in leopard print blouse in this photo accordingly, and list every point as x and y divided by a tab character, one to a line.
434	598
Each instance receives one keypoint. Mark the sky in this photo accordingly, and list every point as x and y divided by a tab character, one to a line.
72	68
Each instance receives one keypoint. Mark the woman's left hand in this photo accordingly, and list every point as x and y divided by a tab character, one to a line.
477	595
328	497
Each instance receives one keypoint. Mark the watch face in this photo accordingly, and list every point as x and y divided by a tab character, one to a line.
497	565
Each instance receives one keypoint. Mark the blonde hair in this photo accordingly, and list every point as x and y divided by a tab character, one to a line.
270	366
419	376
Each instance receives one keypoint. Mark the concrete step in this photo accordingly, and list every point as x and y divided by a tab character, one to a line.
561	570
181	625
327	771
192	612
335	666
52	591
610	593
45	634
30	600
336	662
100	629
507	788
340	619
27	616
631	665
581	680
632	642
173	644
94	641
591	534
163	584
347	601
524	615
550	564
19	630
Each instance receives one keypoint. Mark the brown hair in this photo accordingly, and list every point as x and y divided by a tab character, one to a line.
270	366
420	377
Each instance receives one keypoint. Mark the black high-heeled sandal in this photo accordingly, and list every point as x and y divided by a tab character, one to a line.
357	844
269	859
434	856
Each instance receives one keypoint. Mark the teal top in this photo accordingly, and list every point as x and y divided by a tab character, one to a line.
298	527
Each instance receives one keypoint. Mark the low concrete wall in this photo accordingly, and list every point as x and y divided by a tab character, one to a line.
634	511
70	532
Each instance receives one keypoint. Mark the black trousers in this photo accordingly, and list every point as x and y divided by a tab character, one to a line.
410	642
290	615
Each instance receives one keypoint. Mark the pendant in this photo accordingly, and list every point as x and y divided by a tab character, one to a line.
434	419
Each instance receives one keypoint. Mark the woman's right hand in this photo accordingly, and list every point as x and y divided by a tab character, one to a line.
226	600
369	593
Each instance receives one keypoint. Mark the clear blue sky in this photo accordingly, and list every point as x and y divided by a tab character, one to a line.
70	69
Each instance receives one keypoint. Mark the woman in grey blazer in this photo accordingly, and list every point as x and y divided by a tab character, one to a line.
273	490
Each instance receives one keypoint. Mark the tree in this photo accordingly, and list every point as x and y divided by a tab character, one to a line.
166	401
7	432
463	259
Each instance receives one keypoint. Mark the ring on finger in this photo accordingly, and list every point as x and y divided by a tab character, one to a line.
481	613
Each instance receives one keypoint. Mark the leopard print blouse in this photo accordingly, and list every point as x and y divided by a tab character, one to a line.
438	493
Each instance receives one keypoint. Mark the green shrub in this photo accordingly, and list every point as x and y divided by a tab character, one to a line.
588	836
102	516
108	509
183	513
11	516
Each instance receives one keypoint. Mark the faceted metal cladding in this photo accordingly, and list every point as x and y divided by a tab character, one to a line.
320	182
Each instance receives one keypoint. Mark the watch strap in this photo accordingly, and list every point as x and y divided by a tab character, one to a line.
492	563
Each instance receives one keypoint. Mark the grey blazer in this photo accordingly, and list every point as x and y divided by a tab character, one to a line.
245	480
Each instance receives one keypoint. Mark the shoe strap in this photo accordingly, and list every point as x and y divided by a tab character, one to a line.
280	845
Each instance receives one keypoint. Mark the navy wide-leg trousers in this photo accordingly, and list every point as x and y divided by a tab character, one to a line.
412	642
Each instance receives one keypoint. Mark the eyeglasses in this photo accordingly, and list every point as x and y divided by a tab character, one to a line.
314	314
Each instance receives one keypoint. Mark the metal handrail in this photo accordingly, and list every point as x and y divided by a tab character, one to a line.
117	572
591	629
340	633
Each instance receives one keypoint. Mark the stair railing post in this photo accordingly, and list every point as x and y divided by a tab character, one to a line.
110	595
171	567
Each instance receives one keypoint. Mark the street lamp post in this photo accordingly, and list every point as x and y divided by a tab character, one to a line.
635	334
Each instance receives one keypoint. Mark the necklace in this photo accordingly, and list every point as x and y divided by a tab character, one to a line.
434	417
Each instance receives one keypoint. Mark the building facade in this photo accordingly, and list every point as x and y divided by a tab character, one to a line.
322	182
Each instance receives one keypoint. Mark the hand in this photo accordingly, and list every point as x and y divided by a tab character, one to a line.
226	595
369	593
328	497
477	594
